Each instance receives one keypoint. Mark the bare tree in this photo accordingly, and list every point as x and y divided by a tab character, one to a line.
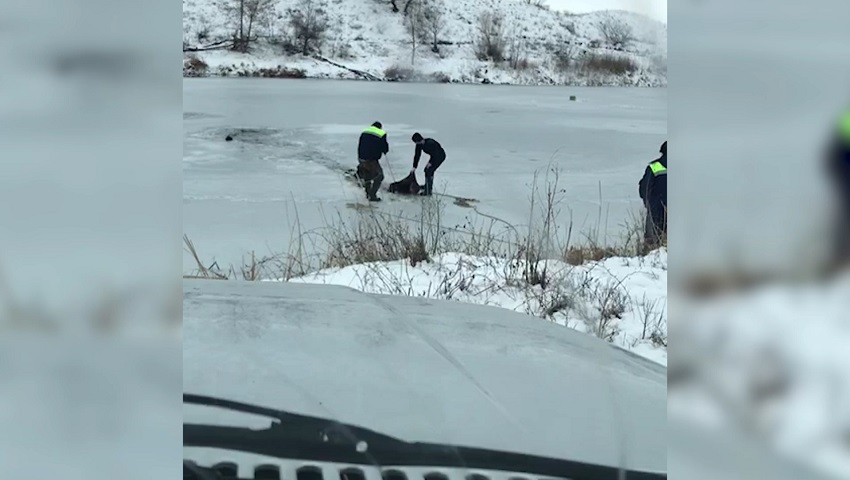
416	26
616	32
410	3
244	15
517	54
564	53
491	39
434	23
309	22
537	3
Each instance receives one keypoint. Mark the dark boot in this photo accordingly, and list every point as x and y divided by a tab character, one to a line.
372	192
429	187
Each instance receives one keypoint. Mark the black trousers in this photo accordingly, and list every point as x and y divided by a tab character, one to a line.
656	226
431	167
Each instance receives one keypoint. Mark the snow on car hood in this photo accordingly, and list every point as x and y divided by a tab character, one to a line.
422	370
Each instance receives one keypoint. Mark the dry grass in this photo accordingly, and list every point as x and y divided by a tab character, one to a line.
370	235
193	66
608	64
397	73
280	72
440	77
539	259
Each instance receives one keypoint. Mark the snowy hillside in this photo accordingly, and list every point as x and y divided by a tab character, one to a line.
519	44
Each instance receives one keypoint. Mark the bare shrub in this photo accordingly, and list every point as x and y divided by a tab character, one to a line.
280	72
397	73
440	77
565	57
610	302
309	23
203	32
608	64
654	323
616	33
490	44
581	254
380	237
193	66
517	57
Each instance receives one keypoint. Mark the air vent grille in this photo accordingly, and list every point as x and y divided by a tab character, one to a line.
289	471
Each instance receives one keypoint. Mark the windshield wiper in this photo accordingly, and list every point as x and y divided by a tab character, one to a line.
302	437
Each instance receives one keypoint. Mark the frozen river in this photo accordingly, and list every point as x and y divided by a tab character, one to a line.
293	140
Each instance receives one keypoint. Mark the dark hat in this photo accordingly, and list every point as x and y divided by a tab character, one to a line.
664	148
416	137
378	125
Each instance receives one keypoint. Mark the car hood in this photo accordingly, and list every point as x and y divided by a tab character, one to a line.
423	370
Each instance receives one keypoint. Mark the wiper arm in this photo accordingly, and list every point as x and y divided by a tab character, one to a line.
302	437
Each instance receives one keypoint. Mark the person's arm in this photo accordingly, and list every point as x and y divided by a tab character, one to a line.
416	156
386	144
643	185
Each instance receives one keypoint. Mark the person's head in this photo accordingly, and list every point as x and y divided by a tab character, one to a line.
378	125
663	149
417	138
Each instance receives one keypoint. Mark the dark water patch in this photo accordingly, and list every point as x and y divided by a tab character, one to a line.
259	137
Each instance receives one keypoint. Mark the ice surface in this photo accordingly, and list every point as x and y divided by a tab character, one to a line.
285	169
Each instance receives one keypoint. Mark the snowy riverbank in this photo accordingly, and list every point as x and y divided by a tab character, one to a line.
526	45
622	300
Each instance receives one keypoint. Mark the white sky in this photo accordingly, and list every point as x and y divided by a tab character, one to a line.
656	9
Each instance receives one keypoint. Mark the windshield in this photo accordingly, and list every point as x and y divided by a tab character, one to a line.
472	314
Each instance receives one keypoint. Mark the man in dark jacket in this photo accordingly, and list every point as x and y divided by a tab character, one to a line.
372	145
653	191
436	158
839	171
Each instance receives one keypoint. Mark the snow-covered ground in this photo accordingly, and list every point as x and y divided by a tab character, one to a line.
368	36
773	361
623	300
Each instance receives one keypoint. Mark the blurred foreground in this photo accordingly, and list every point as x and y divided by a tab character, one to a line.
758	377
90	135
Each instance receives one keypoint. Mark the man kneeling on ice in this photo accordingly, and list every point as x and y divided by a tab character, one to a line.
372	145
437	157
